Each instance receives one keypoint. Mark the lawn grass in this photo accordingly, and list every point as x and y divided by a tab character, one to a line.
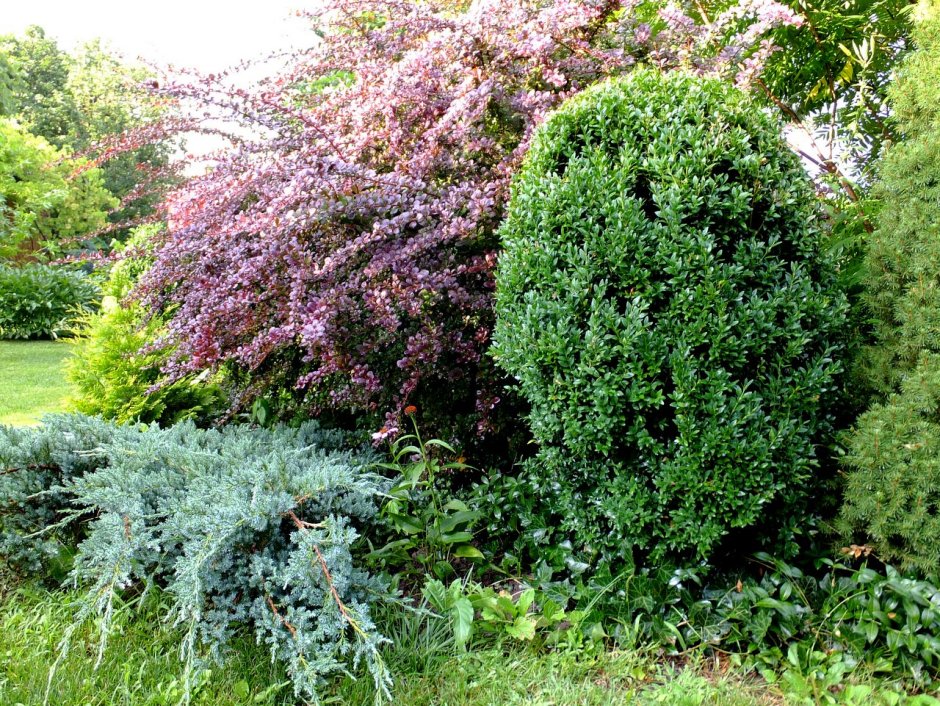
141	668
32	380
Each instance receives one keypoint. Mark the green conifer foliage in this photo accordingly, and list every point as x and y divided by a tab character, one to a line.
115	364
903	264
664	305
893	483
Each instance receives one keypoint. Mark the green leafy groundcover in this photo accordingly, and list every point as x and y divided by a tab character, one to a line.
664	305
242	527
42	301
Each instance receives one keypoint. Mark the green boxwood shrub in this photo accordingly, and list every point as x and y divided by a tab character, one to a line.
43	301
892	495
663	303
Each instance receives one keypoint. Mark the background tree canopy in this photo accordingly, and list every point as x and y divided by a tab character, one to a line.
42	199
73	101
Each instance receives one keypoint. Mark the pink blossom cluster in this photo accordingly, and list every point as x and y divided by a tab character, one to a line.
347	247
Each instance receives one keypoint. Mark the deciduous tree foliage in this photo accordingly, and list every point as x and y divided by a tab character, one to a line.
349	252
44	196
41	100
73	101
831	78
7	81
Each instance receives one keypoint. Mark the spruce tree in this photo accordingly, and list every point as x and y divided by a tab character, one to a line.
893	483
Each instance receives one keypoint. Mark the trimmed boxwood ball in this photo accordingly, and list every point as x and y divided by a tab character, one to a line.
664	305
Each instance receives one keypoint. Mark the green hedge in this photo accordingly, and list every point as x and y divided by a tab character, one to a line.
664	305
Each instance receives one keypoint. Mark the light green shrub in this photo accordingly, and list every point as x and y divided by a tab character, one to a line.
892	495
116	368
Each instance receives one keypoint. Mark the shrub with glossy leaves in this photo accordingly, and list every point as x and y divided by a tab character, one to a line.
664	305
42	301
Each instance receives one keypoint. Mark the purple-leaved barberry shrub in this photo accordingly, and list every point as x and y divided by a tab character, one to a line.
344	247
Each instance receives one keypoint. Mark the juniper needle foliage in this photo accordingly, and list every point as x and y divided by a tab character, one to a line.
243	527
34	462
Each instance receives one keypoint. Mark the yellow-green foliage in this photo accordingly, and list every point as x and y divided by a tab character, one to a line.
893	488
115	379
115	369
42	199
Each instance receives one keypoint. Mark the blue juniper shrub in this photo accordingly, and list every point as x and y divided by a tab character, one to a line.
243	527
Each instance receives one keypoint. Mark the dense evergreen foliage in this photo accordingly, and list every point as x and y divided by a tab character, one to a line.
244	527
33	465
116	363
435	216
894	455
663	303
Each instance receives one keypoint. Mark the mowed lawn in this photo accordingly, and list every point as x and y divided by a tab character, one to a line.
32	380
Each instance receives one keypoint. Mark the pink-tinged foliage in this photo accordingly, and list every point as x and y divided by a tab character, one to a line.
348	251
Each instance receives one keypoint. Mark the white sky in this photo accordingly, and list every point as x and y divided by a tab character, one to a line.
205	34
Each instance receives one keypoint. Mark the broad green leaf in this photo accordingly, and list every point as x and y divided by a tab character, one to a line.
525	600
436	594
406	523
467	551
455	520
463	620
522	628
